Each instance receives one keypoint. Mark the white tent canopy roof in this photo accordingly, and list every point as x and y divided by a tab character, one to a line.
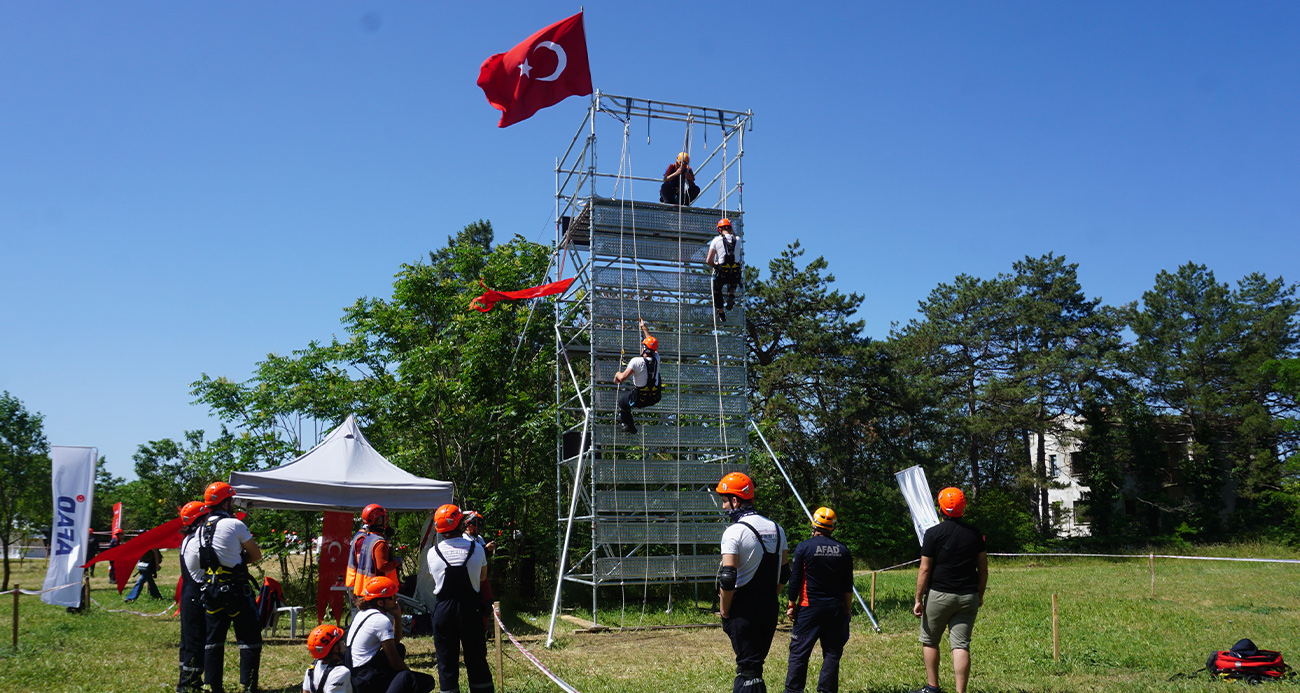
341	473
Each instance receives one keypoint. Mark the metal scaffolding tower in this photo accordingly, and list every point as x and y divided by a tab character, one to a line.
640	509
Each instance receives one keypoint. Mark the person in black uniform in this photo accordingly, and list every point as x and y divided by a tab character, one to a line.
821	594
950	589
226	548
193	619
459	567
754	567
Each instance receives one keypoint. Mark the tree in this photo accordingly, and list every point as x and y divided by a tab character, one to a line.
25	468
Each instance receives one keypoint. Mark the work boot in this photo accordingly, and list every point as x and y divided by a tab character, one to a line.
629	429
722	315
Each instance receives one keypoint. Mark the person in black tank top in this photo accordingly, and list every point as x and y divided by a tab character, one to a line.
950	589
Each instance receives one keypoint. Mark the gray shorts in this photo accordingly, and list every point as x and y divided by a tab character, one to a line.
955	612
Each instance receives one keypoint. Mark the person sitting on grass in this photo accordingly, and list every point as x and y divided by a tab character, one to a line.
328	674
378	660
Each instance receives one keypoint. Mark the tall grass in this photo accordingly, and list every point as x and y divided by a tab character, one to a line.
1114	635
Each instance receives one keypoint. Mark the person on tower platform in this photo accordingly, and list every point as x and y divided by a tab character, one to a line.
679	186
226	548
378	660
647	388
370	556
724	257
950	589
755	564
329	674
459	568
194	628
820	597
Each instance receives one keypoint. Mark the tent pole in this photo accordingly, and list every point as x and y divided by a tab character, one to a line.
779	466
568	528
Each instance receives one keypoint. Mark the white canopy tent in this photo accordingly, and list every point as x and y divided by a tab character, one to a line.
341	473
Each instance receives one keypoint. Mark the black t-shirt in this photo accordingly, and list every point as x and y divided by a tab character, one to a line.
953	547
821	571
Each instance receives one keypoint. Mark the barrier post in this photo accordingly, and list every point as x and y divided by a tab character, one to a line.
873	592
1056	632
496	623
1151	562
16	615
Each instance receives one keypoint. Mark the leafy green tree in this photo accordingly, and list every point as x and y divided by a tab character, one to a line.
25	470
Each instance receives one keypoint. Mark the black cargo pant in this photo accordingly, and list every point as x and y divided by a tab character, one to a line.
457	628
194	633
751	626
237	606
830	625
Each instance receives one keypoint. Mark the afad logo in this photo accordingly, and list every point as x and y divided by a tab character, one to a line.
66	536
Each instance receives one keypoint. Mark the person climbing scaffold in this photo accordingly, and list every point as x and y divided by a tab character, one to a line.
755	564
679	186
647	387
724	257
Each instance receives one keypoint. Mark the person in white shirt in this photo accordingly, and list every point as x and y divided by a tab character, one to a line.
647	387
459	567
378	660
725	258
226	548
755	564
328	674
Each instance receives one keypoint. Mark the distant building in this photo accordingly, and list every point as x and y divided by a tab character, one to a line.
1065	493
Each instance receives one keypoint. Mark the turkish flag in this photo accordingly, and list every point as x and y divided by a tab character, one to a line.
490	297
336	533
542	71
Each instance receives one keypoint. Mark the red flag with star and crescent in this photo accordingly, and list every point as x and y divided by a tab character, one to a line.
550	66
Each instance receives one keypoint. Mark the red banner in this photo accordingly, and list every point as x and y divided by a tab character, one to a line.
117	518
124	556
490	297
335	535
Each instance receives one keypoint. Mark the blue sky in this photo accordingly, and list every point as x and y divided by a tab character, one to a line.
186	187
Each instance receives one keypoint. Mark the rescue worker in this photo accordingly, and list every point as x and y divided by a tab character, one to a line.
226	548
647	387
459	568
378	660
194	627
329	674
371	556
474	524
754	566
820	597
679	186
950	589
724	258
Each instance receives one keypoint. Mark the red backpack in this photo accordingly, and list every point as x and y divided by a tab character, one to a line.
1245	661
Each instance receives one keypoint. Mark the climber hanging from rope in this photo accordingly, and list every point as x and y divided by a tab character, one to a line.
724	257
644	371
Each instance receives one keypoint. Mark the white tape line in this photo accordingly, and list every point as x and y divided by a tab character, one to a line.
1149	556
558	681
36	592
128	611
900	565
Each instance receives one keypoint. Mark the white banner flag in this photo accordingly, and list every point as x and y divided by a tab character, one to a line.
916	490
72	479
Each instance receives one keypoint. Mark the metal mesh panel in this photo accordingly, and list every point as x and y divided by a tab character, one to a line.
673	373
659	532
670	343
630	279
663	313
686	501
673	402
640	568
660	472
671	436
650	249
649	217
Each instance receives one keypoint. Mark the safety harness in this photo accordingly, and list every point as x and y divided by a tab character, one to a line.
318	685
728	271
208	558
652	391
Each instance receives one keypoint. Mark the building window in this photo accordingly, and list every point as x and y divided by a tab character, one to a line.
1053	470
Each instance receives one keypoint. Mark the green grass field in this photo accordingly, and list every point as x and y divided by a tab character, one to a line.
1114	635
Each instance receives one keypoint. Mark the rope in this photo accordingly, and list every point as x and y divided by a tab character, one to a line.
1117	555
34	593
128	611
564	685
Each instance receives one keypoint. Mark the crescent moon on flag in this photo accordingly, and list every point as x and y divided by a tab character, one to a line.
561	60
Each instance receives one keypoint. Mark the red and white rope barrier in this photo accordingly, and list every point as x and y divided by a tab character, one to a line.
564	685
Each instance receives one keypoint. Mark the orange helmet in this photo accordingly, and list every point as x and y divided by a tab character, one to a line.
119	531
447	518
724	224
824	519
323	638
683	158
651	343
217	491
378	588
374	515
736	484
952	502
192	511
